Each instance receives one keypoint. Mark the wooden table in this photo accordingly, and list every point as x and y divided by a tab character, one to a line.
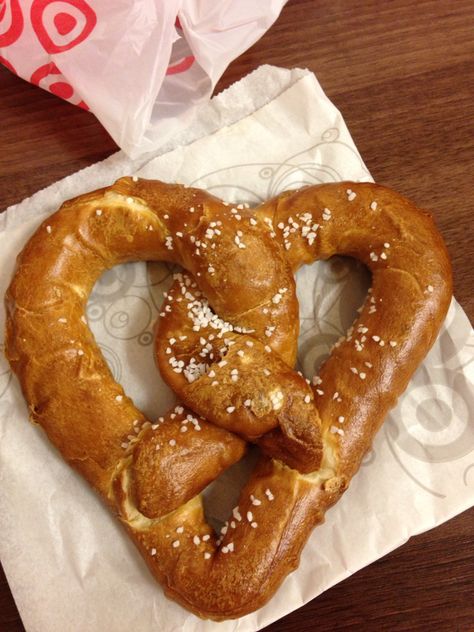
401	72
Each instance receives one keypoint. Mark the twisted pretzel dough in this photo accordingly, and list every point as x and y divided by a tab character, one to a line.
226	344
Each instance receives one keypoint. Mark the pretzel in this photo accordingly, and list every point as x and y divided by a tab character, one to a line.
237	386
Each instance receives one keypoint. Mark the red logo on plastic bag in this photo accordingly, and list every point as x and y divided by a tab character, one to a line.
181	66
180	62
49	78
62	24
11	22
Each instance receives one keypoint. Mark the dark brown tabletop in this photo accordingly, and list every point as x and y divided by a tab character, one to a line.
402	73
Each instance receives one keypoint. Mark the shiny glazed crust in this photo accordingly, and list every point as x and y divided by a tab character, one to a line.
226	343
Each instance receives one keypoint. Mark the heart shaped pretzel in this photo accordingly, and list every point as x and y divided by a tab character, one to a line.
226	344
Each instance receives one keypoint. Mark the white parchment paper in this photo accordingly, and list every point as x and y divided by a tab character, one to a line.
68	561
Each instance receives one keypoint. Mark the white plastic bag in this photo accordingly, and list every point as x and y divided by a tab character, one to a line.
141	66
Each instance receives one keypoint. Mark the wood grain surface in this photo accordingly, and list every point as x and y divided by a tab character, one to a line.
402	73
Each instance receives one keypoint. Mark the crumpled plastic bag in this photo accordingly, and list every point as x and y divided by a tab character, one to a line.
141	66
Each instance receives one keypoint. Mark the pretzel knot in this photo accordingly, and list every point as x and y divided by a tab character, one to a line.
226	343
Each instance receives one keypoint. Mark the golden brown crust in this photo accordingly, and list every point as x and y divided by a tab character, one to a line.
176	458
241	290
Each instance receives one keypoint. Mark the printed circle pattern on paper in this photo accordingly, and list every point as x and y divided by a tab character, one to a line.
115	283
62	24
11	22
439	430
128	317
49	78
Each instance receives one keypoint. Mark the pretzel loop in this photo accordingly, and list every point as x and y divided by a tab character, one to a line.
226	344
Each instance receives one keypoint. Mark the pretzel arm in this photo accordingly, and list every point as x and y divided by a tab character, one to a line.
62	372
411	290
228	576
175	458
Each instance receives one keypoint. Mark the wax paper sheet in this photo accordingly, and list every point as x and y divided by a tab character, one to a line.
68	561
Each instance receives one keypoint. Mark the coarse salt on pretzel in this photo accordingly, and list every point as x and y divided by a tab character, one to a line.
237	380
241	292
